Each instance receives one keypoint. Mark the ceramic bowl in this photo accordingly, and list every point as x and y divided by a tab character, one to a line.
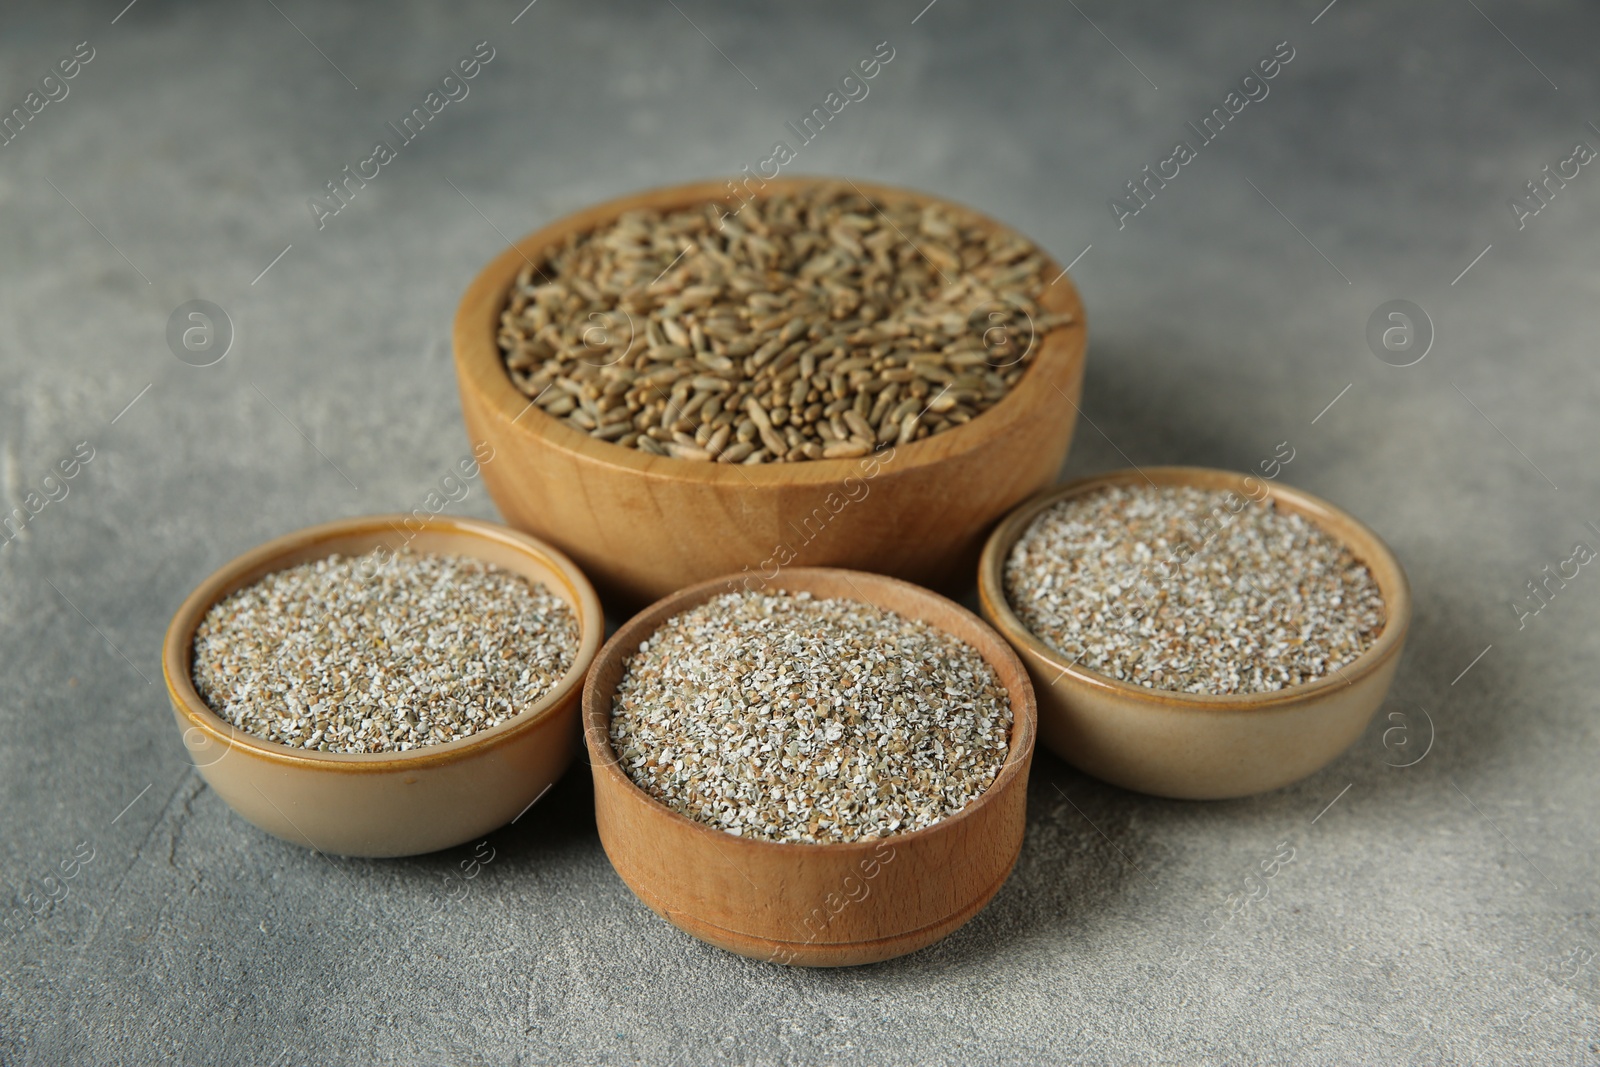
1190	745
802	903
383	804
642	526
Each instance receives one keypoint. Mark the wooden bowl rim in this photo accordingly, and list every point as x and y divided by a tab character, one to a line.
478	360
263	559
999	655
1343	527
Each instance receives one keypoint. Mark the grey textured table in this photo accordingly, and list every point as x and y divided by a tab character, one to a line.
1436	913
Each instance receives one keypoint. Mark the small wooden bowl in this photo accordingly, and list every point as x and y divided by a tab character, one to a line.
1196	746
387	804
642	526
818	905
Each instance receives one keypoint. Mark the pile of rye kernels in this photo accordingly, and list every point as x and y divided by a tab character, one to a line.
790	718
1267	601
381	654
809	325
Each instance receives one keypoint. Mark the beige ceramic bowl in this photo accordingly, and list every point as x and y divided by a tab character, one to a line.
1199	746
643	526
379	804
818	905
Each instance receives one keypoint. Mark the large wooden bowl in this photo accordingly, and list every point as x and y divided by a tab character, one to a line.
1199	746
642	526
819	905
387	804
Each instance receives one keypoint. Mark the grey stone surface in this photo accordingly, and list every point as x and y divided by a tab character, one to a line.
1438	913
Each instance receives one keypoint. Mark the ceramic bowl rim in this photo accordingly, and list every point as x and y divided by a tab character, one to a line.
1365	544
178	643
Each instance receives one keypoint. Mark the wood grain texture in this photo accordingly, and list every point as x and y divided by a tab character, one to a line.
1199	746
813	904
387	804
642	526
